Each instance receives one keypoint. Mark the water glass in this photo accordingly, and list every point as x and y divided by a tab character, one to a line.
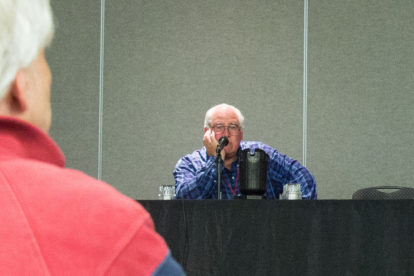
167	192
291	191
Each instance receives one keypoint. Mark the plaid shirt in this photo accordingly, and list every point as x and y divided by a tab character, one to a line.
196	175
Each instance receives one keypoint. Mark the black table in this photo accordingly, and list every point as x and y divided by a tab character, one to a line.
274	237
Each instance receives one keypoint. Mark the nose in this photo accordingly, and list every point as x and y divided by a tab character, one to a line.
226	132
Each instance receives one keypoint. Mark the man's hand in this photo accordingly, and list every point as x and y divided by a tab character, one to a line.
210	142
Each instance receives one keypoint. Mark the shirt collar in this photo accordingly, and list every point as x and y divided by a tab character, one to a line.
23	140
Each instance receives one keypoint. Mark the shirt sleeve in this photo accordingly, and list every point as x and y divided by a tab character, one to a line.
145	254
283	170
194	179
169	267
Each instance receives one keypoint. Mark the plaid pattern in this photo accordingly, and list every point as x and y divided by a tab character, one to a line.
196	175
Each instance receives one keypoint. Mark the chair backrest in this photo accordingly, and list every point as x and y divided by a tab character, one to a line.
384	192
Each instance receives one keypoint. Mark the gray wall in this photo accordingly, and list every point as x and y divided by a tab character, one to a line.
361	95
74	61
166	62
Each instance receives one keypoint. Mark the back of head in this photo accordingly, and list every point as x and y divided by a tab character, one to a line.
26	27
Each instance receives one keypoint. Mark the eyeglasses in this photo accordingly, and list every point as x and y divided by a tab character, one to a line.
232	129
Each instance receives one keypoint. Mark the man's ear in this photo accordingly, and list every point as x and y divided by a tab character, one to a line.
18	93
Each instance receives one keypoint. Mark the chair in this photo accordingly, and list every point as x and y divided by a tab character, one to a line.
384	192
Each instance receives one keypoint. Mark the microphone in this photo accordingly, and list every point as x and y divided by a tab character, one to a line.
223	141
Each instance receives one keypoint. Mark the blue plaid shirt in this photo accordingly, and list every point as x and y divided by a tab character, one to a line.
196	175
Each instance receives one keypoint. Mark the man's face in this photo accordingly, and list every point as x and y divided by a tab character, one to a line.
227	120
38	82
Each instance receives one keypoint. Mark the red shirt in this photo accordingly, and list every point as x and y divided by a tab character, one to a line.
62	222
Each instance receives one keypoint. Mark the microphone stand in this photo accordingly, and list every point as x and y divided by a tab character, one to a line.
223	141
218	159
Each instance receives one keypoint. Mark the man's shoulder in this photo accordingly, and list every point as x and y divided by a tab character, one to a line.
65	204
195	160
199	155
256	145
48	183
250	144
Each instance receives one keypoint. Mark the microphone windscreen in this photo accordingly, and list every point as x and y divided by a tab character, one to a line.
223	140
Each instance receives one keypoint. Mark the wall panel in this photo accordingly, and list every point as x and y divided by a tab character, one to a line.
167	62
74	61
360	95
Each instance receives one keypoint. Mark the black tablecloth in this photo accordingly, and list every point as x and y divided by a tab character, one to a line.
272	237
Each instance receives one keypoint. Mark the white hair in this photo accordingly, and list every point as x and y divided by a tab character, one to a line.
210	112
26	28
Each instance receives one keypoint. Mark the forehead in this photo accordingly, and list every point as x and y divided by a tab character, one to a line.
224	115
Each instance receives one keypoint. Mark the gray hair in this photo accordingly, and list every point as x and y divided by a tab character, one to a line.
210	112
26	27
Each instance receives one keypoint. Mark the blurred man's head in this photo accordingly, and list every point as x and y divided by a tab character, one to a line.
26	28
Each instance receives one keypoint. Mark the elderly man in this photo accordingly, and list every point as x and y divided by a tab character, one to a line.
196	173
57	221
